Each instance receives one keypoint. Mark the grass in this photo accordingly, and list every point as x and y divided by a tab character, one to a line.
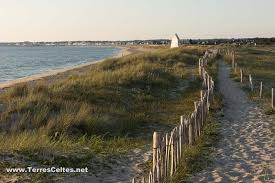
198	157
260	63
106	112
115	95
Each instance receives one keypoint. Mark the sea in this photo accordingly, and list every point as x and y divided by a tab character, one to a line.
19	62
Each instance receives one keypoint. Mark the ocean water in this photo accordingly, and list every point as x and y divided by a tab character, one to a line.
19	62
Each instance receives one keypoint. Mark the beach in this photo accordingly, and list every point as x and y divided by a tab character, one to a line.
57	74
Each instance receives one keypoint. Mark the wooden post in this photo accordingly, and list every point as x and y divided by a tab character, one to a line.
177	148
261	89
154	179
181	119
185	130
171	143
162	158
150	180
182	122
158	167
241	71
155	151
180	139
190	131
272	98
204	77
202	111
142	180
208	83
133	180
200	65
251	82
195	120
199	118
233	60
236	66
166	155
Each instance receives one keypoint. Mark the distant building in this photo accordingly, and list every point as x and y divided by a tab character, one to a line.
175	41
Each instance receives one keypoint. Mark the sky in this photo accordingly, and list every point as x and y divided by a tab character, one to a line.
58	20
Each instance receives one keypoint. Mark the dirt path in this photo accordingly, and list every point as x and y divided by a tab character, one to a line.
247	151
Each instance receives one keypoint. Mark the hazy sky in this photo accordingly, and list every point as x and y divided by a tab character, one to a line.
55	20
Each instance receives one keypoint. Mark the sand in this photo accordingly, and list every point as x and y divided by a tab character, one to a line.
246	153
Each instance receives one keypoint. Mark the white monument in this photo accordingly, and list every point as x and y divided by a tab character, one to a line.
175	41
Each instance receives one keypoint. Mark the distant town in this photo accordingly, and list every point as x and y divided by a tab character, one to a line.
247	41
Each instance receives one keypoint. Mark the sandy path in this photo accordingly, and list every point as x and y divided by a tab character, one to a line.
247	151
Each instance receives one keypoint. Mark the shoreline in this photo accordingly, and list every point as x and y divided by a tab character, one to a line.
7	84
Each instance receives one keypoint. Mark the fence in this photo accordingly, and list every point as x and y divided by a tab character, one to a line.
251	83
168	148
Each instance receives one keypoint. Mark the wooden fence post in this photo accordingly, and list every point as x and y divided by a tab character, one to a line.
150	180
200	66
196	120
241	71
180	139
190	130
272	98
209	82
142	180
176	144
185	131
261	89
171	144
166	155
204	77
158	167
250	82
233	60
155	153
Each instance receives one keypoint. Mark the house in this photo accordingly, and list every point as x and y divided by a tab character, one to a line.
175	41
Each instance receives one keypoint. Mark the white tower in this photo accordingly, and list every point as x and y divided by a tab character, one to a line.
175	41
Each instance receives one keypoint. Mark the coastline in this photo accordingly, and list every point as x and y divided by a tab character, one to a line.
124	52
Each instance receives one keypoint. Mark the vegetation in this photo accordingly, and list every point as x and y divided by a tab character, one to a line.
118	94
107	111
259	62
198	157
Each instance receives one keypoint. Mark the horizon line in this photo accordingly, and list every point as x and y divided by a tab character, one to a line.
138	39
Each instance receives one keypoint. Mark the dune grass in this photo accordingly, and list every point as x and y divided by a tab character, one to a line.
260	63
116	94
111	109
198	156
